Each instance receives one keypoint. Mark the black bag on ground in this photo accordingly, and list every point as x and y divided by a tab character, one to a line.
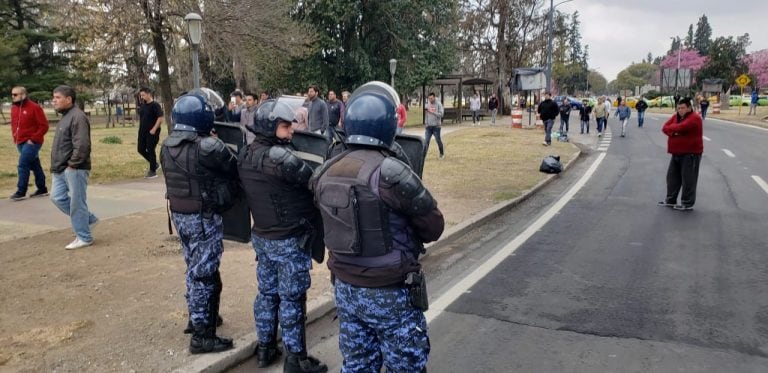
551	165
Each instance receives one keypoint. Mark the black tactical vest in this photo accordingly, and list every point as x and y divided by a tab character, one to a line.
179	160
355	220
279	210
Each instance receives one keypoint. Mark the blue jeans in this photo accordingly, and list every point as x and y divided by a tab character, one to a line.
585	126
75	206
704	112
564	125
602	125
329	133
640	118
29	160
548	130
433	130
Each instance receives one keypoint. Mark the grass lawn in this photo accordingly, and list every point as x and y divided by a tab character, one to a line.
109	162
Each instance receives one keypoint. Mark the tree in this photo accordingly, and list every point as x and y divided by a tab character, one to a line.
726	59
758	67
356	39
702	39
34	53
637	74
689	38
675	44
597	82
689	59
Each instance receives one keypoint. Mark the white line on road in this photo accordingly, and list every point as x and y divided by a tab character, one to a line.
759	180
445	300
729	153
707	138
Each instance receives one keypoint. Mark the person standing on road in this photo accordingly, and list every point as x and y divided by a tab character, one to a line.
28	128
623	113
377	215
493	107
584	112
753	103
474	107
684	132
150	120
71	166
199	172
704	103
317	111
286	235
601	116
433	123
565	116
548	111
641	106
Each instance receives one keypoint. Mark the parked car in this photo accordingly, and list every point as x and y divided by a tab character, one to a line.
575	102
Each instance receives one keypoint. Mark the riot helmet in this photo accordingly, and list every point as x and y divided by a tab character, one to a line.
370	118
195	111
269	115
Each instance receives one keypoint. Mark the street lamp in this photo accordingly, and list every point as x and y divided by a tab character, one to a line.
392	67
549	40
195	27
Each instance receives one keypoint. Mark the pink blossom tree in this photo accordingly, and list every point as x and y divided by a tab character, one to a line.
758	67
689	59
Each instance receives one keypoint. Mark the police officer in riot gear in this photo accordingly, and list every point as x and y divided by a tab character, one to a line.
376	215
200	172
286	228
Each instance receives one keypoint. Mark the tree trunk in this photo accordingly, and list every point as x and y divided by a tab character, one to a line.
155	20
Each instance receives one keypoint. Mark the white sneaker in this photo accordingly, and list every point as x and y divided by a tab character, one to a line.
78	244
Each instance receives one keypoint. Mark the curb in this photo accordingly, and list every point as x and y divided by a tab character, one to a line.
319	307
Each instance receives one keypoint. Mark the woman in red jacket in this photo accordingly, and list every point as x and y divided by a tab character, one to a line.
684	131
28	126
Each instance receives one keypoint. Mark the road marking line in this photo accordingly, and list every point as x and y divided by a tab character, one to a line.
759	180
707	138
445	300
729	153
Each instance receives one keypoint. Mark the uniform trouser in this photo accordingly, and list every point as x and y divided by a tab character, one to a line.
683	173
146	146
201	240
379	325
29	161
428	132
283	275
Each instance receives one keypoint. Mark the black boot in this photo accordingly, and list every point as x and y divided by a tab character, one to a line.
267	354
204	340
300	363
188	330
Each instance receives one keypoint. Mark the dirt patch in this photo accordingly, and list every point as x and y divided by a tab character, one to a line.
119	305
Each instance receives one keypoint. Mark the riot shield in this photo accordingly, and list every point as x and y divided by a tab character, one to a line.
310	147
236	220
413	148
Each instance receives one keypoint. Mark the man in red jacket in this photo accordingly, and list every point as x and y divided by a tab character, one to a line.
28	127
684	131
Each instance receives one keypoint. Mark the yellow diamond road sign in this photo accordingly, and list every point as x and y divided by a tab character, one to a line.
743	80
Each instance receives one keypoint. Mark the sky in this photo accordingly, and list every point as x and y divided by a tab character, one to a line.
620	32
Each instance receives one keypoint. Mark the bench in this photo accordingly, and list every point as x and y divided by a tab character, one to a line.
468	115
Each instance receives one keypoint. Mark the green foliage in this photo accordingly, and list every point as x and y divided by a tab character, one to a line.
357	39
637	74
111	140
702	40
726	59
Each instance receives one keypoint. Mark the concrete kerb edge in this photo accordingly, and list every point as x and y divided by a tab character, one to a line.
317	308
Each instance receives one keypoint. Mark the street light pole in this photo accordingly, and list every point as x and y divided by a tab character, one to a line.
552	7
194	25
392	67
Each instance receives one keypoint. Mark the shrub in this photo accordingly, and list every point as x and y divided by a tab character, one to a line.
112	140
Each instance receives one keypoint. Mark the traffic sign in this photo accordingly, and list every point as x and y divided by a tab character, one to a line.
743	80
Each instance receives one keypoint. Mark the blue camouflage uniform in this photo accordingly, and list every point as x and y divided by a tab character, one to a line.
283	276
201	239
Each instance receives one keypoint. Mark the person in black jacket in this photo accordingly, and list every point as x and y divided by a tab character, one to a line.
640	106
548	111
493	107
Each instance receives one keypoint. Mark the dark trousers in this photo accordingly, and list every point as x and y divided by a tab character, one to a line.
146	147
683	173
29	161
428	132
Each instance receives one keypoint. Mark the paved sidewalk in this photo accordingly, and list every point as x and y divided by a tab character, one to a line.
33	216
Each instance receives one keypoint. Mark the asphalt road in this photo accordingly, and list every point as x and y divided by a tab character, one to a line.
590	275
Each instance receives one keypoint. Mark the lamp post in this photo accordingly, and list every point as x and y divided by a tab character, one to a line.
195	27
549	40
392	67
